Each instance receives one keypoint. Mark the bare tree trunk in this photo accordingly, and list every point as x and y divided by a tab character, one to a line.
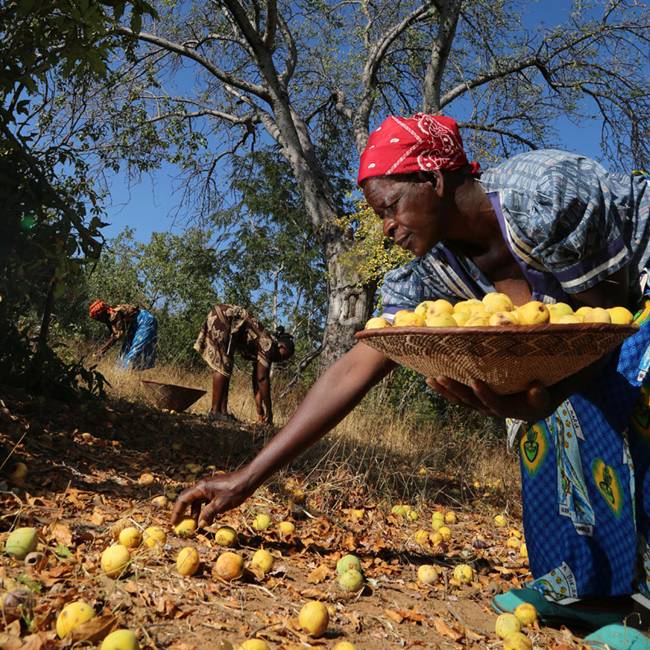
349	302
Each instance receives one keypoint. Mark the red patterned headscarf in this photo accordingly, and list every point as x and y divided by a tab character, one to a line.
97	308
422	143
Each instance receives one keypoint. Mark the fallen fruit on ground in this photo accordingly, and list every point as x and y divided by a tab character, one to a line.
226	536
261	522
314	618
348	562
115	560
526	613
437	523
160	501
513	542
73	615
506	624
344	645
500	521
450	517
445	533
21	542
435	539
421	537
399	510
463	573
286	528
146	479
523	550
186	528
427	574
517	641
263	560
154	536
412	515
18	474
229	566
351	580
187	561
130	537
120	640
254	644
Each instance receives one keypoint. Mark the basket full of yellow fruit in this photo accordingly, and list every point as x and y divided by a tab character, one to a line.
491	340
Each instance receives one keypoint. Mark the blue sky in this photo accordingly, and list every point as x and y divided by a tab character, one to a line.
151	204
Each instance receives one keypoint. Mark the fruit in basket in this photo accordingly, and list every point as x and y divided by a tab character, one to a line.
567	319
499	318
406	318
470	305
557	310
478	319
533	313
434	307
620	315
440	320
377	323
597	315
494	302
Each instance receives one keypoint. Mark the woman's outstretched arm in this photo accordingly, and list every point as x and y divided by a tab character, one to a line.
330	399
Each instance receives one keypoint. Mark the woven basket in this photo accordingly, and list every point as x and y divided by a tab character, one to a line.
171	396
506	358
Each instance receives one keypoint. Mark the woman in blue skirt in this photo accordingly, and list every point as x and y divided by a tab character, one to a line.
137	328
547	226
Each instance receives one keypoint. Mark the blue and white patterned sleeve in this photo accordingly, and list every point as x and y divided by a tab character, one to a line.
575	227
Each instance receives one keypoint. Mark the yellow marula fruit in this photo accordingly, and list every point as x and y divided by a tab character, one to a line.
406	318
376	323
348	562
421	537
557	310
437	524
445	533
513	532
506	624
18	474
71	616
478	319
412	515
229	566
517	641
286	528
399	510
120	640
21	542
526	614
583	312
356	514
450	517
434	307
470	305
501	318
314	618
568	319
495	302
513	542
146	479
533	313
435	539
427	574
437	514
115	560
154	536
261	522
186	528
130	537
160	501
500	521
263	560
351	580
598	315
187	561
620	315
463	573
344	645
523	551
440	320
254	644
225	536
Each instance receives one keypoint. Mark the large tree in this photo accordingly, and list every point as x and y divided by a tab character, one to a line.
312	78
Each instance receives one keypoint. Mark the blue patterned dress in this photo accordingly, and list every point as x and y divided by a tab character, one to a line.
138	330
585	470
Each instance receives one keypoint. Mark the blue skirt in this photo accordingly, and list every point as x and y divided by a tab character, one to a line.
586	484
139	346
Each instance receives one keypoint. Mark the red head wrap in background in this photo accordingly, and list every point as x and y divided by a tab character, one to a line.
97	308
422	143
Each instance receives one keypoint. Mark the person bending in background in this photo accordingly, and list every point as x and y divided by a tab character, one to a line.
544	225
137	328
229	329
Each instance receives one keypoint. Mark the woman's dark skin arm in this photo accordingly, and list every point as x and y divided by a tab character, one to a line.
539	402
330	399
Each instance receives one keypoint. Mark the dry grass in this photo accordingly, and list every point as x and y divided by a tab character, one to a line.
373	450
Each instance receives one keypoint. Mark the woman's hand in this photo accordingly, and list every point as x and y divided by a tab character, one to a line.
531	405
212	496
